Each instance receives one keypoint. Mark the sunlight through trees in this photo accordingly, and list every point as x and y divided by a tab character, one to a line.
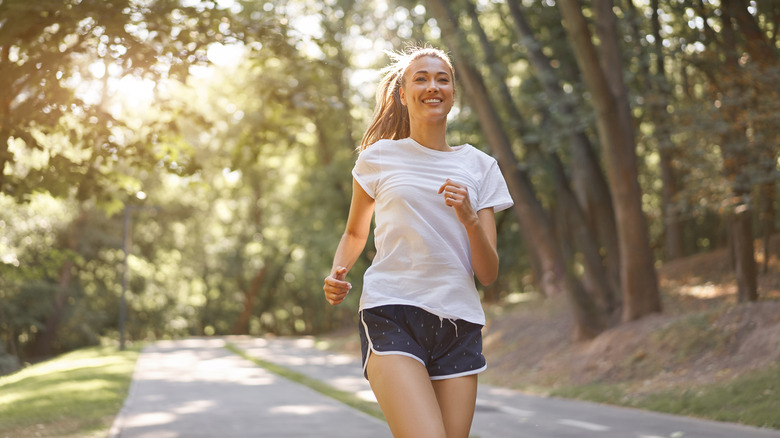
238	121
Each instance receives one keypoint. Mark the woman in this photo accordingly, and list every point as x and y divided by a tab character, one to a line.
420	313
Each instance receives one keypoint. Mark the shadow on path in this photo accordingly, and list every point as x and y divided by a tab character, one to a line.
197	388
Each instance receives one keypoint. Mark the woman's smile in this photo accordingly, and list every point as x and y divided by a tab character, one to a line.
427	86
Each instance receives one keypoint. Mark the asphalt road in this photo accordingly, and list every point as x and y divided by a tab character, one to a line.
503	413
197	388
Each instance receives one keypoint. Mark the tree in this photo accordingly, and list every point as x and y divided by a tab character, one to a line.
588	181
737	64
47	53
249	162
558	278
615	126
657	100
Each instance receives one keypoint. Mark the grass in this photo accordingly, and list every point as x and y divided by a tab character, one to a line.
693	335
74	395
342	396
752	399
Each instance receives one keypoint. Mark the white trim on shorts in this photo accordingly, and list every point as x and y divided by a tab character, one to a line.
454	376
381	353
403	353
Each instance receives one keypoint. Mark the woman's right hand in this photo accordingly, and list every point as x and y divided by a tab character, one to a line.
336	288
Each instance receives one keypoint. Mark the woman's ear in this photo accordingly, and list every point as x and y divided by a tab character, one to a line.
402	95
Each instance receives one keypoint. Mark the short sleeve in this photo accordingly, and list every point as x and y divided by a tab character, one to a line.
367	170
493	191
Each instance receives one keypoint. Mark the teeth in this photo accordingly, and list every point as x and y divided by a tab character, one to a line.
432	100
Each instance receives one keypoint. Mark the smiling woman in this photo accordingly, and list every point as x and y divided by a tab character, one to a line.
409	352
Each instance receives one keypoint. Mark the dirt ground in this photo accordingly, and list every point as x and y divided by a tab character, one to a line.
703	335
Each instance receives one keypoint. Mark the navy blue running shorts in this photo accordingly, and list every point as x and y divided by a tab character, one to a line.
448	348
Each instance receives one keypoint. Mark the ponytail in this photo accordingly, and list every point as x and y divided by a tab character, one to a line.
391	118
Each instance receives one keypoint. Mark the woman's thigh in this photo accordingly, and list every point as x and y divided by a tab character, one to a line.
457	399
404	391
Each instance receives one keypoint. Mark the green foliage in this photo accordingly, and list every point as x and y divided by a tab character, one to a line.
71	70
238	173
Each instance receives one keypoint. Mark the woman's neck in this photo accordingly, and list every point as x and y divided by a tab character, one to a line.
433	137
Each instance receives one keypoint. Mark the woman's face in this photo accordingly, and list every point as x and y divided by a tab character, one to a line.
428	91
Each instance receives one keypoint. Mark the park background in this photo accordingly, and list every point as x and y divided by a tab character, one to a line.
174	168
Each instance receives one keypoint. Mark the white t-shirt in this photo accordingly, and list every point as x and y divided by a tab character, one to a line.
423	257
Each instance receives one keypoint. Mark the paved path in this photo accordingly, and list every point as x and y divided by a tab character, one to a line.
196	388
503	413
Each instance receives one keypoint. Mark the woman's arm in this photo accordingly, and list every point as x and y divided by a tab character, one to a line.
482	238
351	245
481	230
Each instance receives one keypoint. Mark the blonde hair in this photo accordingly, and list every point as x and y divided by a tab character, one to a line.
391	119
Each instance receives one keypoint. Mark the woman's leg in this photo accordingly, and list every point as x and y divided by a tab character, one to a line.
457	399
405	394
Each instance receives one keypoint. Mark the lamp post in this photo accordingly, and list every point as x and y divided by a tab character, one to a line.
122	302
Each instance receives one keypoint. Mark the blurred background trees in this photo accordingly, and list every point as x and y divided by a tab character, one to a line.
631	132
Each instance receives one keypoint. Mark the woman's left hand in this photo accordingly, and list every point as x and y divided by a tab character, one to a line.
457	197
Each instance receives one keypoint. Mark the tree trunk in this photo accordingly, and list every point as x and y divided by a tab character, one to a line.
43	344
241	327
736	155
767	219
534	221
657	100
597	284
516	124
10	343
589	314
595	276
758	46
744	259
516	119
587	178
587	318
764	55
639	283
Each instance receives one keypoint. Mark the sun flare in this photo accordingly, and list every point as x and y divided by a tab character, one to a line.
118	93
